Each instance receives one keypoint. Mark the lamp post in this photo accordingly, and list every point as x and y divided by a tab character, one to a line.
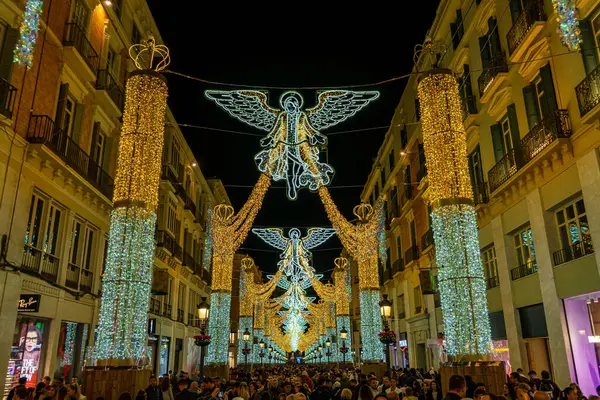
270	353
344	349
385	307
203	313
246	350
319	354
261	344
328	349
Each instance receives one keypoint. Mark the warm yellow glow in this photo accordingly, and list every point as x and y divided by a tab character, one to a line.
255	292
141	143
360	241
229	232
444	138
342	298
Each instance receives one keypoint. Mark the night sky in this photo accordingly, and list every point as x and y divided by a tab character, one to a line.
231	53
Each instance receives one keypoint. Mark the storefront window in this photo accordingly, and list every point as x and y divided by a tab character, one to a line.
152	350
27	352
72	344
165	343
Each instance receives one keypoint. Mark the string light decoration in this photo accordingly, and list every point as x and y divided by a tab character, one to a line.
362	242
218	327
207	259
291	147
568	24
461	277
128	275
28	32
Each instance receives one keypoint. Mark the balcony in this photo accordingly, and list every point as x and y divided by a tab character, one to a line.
554	126
588	94
397	266
39	263
480	194
421	173
167	310
8	94
529	268
573	252
41	130
529	24
86	281
188	203
180	315
110	94
193	321
492	282
503	170
407	195
488	76
469	106
206	277
72	280
164	239
411	255
79	52
154	306
427	240
188	260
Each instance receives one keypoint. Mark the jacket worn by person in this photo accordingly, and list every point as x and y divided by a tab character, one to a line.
153	393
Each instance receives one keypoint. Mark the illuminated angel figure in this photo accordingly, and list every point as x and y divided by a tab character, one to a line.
295	259
292	145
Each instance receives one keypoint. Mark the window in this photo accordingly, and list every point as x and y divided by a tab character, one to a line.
418	300
34	223
81	15
89	249
413	234
476	170
67	125
81	251
573	225
181	296
75	242
172	221
392	160
98	151
111	62
175	150
506	134
490	267
400	307
169	296
539	94
524	248
136	36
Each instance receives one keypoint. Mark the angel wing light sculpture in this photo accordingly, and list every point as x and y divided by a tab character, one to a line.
291	147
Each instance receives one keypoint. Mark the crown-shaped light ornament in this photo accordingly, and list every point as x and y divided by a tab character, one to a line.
247	263
430	49
150	56
363	212
341	263
223	213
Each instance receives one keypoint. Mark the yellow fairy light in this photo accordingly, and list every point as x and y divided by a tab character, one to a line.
342	297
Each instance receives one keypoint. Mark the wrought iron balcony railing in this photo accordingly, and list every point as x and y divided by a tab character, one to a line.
76	37
411	255
496	65
480	193
8	94
573	252
397	266
588	92
72	280
164	239
503	170
468	105
533	12
401	315
37	262
86	281
105	81
556	125
154	306
42	130
492	282
407	194
529	268
167	310
427	239
180	315
188	260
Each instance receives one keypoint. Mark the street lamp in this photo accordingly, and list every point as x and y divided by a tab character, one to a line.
270	353
328	349
344	349
246	349
203	313
385	307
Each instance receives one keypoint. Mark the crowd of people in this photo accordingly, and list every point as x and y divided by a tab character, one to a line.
302	382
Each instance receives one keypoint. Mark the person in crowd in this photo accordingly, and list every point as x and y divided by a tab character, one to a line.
392	396
141	395
50	393
417	390
385	385
568	394
185	393
323	390
346	394
393	387
539	395
207	388
434	393
46	380
62	393
165	389
252	389
374	385
73	392
478	394
153	392
20	393
522	391
577	390
193	386
59	383
21	383
195	375
457	388
548	385
409	394
365	393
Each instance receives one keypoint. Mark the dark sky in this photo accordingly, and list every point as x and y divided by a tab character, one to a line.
250	53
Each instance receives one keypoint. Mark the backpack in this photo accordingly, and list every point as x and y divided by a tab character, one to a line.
546	387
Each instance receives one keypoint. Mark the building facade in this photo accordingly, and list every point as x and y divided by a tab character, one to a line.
530	109
60	123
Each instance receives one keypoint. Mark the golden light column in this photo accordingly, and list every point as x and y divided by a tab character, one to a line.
461	277
128	276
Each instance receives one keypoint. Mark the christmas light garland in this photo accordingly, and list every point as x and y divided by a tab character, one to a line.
461	277
127	278
218	328
568	23
28	32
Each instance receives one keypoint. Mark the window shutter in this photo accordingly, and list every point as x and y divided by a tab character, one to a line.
8	47
422	165
530	106
479	170
454	34
494	37
467	80
94	144
472	171
418	109
515	10
514	132
588	46
60	108
78	123
498	142
460	27
403	137
549	93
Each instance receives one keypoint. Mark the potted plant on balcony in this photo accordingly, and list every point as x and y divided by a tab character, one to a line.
246	351
202	340
387	337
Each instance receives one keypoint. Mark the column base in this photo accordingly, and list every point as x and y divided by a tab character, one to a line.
110	383
493	376
375	367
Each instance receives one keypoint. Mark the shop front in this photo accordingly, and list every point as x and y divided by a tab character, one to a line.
403	351
73	338
499	339
583	321
165	349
